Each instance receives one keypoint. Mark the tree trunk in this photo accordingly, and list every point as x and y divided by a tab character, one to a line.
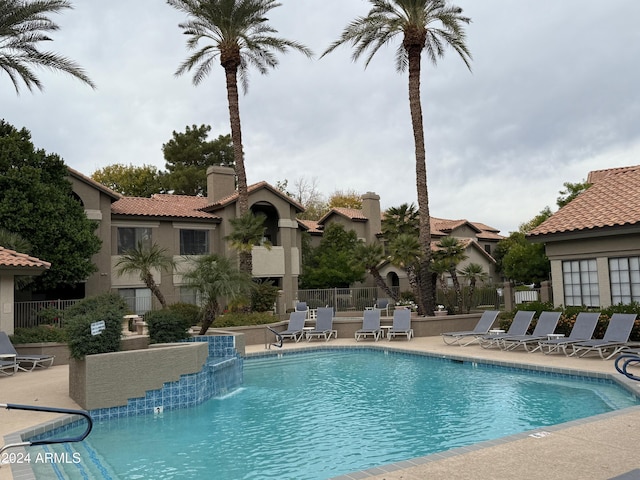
458	290
426	302
236	137
151	285
381	283
208	317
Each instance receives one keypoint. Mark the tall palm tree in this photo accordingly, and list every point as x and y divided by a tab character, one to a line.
215	278
425	26
142	260
23	24
248	231
236	32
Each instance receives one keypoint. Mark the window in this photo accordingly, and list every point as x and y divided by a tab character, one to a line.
138	299
624	274
130	237
190	295
580	278
194	242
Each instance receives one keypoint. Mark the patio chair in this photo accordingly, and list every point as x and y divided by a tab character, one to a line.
472	336
582	330
615	339
295	328
303	307
519	326
370	325
545	326
381	304
324	325
8	365
32	361
401	324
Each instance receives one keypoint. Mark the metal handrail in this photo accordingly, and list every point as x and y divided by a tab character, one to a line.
626	360
278	337
79	438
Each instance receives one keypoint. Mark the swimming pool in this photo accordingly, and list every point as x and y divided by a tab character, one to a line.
322	414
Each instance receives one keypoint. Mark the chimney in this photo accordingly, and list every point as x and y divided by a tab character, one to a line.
371	210
221	182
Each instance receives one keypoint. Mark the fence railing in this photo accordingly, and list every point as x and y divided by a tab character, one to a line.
47	312
341	299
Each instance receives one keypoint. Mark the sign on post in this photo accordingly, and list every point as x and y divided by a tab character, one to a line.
97	327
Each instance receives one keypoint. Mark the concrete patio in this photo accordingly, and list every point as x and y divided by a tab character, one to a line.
597	448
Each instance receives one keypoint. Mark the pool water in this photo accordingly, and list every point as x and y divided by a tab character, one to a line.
322	414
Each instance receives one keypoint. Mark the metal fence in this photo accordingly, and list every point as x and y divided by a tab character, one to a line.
48	312
341	299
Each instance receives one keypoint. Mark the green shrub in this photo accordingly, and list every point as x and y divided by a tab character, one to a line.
263	296
41	334
241	319
165	326
109	308
188	312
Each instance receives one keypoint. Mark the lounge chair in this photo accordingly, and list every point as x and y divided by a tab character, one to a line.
582	330
472	336
303	307
324	325
8	365
370	325
519	326
545	325
32	361
401	324
381	304
615	339
295	328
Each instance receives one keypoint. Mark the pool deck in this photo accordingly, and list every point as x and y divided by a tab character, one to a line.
601	447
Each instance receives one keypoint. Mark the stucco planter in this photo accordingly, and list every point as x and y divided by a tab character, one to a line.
440	313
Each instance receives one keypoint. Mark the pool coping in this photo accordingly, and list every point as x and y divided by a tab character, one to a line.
25	471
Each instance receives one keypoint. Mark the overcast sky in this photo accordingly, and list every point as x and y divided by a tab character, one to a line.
554	94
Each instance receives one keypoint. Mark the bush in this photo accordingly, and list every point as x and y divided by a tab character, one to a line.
263	296
166	326
109	308
188	312
241	319
41	334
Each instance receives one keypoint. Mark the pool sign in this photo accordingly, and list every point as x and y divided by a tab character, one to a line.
97	327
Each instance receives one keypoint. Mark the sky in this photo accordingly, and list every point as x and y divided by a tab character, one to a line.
554	93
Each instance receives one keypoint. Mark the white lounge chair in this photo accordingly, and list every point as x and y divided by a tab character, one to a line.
519	326
401	324
324	325
32	361
472	336
370	325
582	330
295	328
545	325
614	341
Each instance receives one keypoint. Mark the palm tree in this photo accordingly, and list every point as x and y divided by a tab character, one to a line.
450	253
400	220
473	273
370	256
248	231
142	260
23	24
404	252
214	278
236	32
426	26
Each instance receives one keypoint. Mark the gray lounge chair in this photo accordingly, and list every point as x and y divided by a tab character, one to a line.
303	307
8	365
545	325
324	325
615	339
582	330
32	361
519	326
370	325
401	324
382	304
472	336
295	328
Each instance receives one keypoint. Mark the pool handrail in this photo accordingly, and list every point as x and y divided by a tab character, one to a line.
278	337
627	359
33	408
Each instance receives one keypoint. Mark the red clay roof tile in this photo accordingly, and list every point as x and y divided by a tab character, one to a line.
11	258
163	205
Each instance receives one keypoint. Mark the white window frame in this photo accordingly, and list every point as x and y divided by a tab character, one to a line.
580	282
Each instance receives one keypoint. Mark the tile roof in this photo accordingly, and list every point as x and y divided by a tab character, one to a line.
612	200
312	226
353	214
252	188
92	182
11	258
163	205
